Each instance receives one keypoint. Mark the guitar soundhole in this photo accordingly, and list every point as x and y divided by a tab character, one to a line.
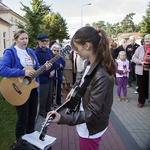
27	80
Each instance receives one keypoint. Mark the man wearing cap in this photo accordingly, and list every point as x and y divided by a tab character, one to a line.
44	54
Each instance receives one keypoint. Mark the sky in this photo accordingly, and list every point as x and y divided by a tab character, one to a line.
77	13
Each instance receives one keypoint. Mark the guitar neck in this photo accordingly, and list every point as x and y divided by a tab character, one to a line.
49	119
41	69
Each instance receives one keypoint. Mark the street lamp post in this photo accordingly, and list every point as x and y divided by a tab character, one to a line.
82	13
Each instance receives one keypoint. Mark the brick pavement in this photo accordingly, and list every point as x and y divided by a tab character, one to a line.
129	128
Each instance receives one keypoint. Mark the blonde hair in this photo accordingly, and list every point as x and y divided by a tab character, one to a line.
18	32
121	53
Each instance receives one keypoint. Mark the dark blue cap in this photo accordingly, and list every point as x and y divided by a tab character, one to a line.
42	36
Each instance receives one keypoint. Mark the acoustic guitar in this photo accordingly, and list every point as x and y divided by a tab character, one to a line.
71	106
16	90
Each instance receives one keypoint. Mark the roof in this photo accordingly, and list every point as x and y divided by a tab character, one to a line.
4	21
127	35
5	9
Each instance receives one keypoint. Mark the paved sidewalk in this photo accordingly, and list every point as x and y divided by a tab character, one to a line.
129	128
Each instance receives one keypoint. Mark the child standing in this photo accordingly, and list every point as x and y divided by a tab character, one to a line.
122	73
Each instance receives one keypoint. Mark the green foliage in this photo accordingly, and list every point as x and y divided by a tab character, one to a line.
99	25
145	24
127	24
55	26
41	21
7	124
34	18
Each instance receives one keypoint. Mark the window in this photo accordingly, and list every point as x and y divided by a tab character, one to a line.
4	39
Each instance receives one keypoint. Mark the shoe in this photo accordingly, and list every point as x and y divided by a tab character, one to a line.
140	105
135	92
126	100
128	86
119	99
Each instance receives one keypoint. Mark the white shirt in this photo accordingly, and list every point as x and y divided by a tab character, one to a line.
79	62
82	128
25	59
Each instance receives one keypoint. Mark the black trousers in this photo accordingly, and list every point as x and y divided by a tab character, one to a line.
46	98
26	115
143	81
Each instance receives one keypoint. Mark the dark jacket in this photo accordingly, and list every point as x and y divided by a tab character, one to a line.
59	72
114	53
97	103
43	56
130	50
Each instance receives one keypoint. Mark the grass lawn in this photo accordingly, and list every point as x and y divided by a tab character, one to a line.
7	124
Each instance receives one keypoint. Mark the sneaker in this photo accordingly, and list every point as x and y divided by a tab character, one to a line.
128	86
135	92
119	99
126	100
139	105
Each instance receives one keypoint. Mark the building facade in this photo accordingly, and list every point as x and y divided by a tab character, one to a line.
8	24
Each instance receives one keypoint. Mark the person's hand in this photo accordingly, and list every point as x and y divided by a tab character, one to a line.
144	63
48	65
69	94
52	73
147	57
29	73
60	66
56	118
124	71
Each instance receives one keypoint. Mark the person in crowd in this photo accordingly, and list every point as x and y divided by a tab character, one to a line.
142	41
92	119
130	50
141	58
44	54
67	73
59	73
122	45
14	60
111	41
123	68
51	43
78	65
114	50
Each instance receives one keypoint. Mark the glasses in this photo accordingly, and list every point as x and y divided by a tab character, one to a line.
44	41
55	50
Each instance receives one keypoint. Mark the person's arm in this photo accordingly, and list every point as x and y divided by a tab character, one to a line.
6	69
138	56
98	91
117	70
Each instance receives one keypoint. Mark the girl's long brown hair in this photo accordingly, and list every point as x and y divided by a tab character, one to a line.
100	43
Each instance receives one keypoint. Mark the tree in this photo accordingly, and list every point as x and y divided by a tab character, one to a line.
127	24
35	18
99	25
56	27
117	29
145	24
